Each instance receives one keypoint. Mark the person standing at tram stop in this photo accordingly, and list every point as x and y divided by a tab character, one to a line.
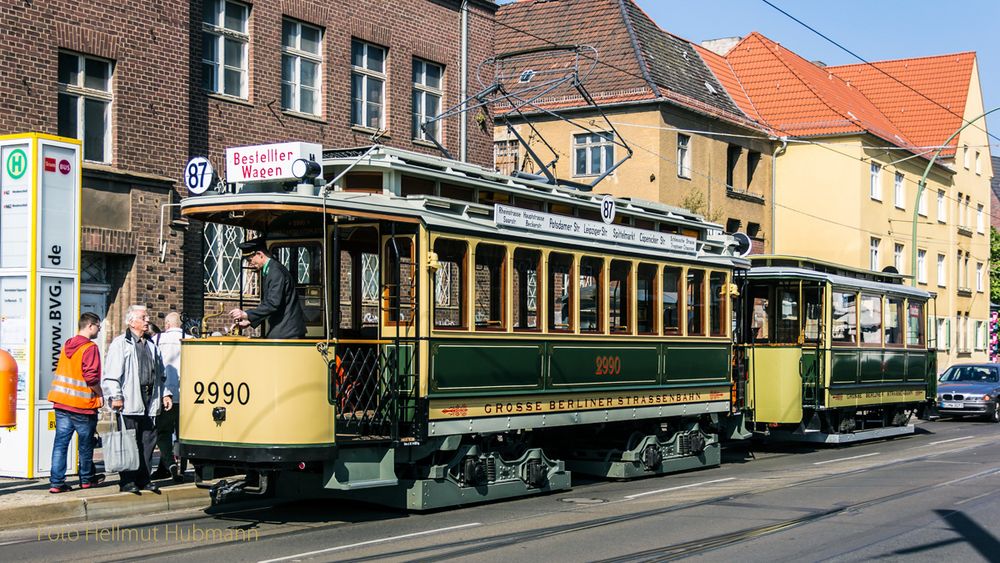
279	304
133	381
169	344
76	396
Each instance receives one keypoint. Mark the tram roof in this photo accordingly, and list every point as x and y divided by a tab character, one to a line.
265	207
801	268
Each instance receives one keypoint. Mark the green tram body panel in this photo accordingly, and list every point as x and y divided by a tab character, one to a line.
478	367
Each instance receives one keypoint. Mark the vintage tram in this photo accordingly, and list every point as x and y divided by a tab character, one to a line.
833	354
471	336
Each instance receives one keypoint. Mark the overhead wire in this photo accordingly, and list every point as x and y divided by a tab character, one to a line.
907	177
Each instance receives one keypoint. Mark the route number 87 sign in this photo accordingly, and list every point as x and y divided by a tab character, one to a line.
199	175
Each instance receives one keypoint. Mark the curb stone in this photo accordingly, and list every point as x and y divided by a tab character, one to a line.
104	506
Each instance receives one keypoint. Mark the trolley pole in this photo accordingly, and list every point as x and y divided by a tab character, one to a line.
922	184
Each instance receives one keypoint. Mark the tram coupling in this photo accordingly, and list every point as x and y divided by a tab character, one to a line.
254	483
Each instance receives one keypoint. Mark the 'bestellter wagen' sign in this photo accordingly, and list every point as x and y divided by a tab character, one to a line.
559	225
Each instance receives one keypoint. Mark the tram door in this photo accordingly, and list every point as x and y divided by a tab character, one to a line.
812	362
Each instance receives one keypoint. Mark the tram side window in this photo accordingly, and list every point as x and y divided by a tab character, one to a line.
695	303
303	261
526	263
560	292
671	293
369	289
812	299
894	321
915	324
645	299
489	282
844	318
590	294
871	319
449	284
718	295
399	276
618	296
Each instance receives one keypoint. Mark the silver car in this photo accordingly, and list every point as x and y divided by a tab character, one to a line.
970	390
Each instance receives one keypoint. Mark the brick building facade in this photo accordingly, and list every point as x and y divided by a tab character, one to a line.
148	85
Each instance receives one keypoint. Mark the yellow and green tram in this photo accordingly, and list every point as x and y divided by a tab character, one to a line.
833	354
471	337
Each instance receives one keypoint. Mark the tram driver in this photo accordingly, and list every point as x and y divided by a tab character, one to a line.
279	303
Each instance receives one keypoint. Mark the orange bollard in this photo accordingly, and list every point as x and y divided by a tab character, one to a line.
8	389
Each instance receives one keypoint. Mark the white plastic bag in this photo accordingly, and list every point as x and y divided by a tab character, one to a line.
121	453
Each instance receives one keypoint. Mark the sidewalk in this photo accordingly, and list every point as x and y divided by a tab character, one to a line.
28	502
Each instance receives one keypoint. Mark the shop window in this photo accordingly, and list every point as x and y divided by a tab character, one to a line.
526	264
489	283
619	297
560	292
449	284
645	299
590	294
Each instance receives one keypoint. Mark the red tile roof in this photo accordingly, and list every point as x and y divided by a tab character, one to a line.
727	77
798	98
925	97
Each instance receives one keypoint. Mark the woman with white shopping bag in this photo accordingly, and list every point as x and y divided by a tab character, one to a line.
133	383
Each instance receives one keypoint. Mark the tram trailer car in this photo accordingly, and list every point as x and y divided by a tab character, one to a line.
834	354
492	335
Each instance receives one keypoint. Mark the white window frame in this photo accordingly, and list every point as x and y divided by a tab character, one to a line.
965	156
876	181
873	253
296	54
684	155
899	189
897	257
965	211
221	243
979	164
217	32
979	277
942	214
921	266
922	204
980	223
942	271
80	94
422	92
600	143
368	75
965	272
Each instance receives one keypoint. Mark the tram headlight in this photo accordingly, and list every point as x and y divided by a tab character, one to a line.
306	170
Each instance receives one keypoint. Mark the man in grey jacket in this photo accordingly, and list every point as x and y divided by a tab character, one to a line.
133	382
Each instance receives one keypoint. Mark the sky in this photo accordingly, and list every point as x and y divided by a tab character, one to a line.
873	29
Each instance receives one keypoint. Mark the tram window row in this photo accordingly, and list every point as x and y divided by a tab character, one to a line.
481	286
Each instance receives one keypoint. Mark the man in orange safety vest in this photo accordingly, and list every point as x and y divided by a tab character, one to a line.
76	396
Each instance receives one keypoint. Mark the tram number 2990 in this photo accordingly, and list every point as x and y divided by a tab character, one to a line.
607	365
229	393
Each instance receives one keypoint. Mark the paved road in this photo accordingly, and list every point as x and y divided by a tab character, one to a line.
928	497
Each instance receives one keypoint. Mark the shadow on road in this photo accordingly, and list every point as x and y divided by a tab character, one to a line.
969	532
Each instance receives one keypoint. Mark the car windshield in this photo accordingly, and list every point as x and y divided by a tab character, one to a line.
970	373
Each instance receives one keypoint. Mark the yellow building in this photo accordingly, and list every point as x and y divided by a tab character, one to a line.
857	140
692	146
